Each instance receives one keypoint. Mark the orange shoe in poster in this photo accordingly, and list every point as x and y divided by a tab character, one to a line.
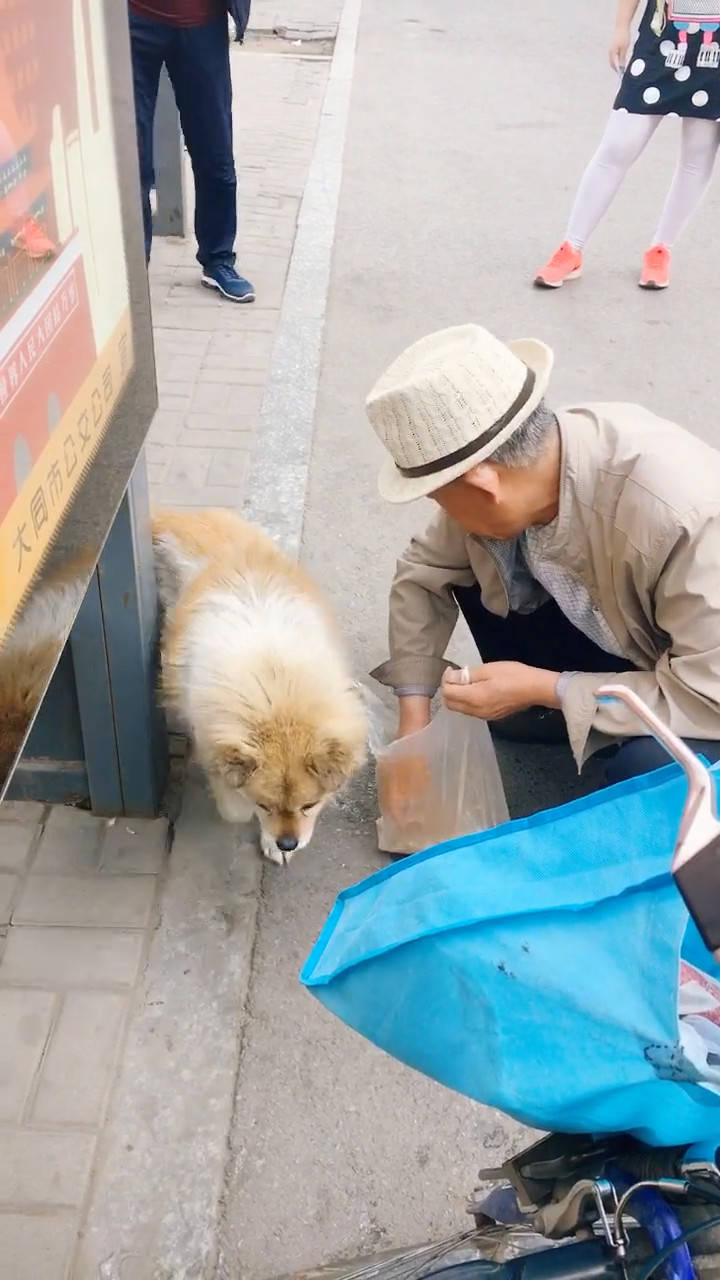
35	241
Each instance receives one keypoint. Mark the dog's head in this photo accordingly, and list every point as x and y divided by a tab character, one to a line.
287	767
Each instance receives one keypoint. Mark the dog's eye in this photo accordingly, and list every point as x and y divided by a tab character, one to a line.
308	807
265	808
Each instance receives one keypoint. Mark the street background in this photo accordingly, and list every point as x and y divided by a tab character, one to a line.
468	130
246	1133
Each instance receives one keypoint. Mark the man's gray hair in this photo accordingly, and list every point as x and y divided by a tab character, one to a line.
531	440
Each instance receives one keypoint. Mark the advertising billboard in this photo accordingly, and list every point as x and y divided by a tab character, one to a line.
65	334
77	380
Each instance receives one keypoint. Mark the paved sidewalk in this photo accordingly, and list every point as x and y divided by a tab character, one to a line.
78	904
266	14
213	356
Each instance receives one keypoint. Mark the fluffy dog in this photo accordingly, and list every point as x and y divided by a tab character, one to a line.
253	666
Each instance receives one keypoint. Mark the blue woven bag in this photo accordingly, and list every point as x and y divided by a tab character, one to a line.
534	967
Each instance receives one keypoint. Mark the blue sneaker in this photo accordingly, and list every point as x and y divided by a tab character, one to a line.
226	280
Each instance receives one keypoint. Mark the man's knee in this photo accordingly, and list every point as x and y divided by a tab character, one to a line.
211	155
635	757
643	755
220	177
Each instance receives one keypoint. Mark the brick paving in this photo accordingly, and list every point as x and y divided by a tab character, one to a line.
212	355
77	909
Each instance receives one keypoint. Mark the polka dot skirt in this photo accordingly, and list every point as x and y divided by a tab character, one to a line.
674	68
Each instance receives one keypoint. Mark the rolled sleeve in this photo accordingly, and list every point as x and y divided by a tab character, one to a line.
422	610
419	675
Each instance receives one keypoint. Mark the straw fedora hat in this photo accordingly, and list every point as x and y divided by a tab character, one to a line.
449	401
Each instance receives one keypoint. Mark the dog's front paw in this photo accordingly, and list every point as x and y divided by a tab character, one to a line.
270	850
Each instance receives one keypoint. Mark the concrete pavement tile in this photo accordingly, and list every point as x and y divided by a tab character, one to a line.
36	956
228	467
178	368
121	902
188	468
16	839
157	453
228	375
211	397
229	315
28	812
25	1019
166	426
221	438
155	473
156	1193
44	1168
226	401
207	300
37	1247
250	350
242	422
78	1068
173	341
8	888
175	398
185	318
70	841
184	498
135	844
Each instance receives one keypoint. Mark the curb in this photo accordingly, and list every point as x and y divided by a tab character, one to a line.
278	475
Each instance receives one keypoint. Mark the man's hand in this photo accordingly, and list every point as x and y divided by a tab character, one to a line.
499	689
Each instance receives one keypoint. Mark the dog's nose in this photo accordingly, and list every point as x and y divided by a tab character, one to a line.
287	844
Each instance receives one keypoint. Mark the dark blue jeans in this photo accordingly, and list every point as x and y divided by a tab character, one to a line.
546	639
198	63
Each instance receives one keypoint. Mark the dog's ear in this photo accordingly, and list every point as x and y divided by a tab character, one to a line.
332	761
235	763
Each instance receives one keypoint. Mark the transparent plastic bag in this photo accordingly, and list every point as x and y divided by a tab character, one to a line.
438	784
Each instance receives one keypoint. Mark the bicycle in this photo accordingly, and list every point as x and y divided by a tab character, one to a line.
582	1207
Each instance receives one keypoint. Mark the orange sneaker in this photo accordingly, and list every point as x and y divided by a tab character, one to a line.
656	268
565	264
35	241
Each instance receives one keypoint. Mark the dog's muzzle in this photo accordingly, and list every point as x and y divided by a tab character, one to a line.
287	844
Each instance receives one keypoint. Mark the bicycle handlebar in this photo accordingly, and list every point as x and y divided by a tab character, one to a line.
696	860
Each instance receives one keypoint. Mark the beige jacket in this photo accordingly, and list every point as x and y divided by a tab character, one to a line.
639	524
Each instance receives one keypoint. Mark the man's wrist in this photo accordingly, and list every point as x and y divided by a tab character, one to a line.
561	685
413	713
545	689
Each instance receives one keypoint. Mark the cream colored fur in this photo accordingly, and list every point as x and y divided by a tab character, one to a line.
253	666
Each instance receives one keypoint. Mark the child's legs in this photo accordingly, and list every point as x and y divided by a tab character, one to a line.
698	149
625	138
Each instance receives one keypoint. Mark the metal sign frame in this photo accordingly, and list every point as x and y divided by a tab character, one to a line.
105	687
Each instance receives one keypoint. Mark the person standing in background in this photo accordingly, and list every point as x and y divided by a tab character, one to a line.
673	70
190	37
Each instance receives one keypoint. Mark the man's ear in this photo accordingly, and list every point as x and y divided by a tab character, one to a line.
234	762
486	478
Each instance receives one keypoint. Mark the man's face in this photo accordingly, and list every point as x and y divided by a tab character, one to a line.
488	502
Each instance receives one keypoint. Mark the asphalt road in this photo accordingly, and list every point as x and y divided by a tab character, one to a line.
469	126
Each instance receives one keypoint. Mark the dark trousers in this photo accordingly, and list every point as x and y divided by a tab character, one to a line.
546	639
198	63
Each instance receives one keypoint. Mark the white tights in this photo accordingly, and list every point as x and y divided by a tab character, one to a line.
625	137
